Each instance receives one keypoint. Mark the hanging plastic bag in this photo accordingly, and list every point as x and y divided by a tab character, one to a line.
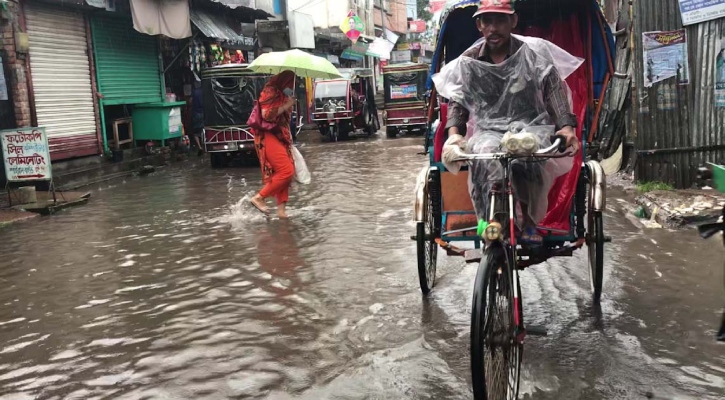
302	174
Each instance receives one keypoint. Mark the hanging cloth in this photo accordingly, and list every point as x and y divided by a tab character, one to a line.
162	17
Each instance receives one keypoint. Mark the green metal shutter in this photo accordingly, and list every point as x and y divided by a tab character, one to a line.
127	62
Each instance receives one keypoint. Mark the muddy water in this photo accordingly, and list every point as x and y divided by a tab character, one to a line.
170	287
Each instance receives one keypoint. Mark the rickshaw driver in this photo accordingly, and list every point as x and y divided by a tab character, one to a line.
496	19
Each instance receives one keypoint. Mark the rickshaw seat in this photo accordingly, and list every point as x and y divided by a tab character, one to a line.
439	138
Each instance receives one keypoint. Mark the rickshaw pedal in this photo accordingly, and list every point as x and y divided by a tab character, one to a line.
607	239
414	237
536	331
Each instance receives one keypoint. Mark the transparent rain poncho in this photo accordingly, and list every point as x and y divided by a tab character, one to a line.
509	97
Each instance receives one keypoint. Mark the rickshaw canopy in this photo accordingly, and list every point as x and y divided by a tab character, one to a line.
229	93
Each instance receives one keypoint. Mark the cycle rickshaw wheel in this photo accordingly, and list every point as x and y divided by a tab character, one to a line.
427	249
495	355
595	247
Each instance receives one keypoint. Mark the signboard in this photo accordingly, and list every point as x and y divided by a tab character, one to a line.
272	26
26	154
380	48
400	56
415	46
350	54
417	26
437	5
333	58
398	92
403	46
696	11
665	57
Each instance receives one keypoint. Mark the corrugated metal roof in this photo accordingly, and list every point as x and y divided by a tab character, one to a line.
218	29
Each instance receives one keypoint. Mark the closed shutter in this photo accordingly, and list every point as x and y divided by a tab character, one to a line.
127	62
61	77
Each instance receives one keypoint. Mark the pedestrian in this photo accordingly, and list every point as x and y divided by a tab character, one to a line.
197	116
274	149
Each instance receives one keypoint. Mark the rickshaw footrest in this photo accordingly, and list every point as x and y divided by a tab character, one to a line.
607	239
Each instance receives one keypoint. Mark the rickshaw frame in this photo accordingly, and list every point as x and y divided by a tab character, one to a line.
444	215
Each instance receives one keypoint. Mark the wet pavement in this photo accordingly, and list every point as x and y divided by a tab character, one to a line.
170	287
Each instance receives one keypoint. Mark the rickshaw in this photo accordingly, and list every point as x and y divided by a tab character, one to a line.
229	93
444	213
406	106
344	105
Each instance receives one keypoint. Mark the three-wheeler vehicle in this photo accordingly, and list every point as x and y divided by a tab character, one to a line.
229	92
345	105
406	105
444	212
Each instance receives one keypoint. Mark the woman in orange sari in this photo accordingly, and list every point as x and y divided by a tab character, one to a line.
275	149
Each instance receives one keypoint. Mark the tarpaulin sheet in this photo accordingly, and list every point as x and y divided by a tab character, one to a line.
229	101
567	35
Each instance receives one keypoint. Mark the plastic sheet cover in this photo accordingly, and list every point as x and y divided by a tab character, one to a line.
229	101
508	97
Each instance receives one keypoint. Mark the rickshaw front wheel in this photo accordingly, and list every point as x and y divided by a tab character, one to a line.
391	132
595	245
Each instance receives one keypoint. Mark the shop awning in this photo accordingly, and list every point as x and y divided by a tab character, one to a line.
218	29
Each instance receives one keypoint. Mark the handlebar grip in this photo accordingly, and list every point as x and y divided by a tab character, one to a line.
562	142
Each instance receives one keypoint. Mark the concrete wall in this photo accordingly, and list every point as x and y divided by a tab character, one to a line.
18	81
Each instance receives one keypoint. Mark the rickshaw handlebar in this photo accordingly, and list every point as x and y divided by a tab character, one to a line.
556	150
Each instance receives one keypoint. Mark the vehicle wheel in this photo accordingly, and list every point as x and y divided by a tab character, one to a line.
426	235
219	160
595	245
391	132
495	355
345	133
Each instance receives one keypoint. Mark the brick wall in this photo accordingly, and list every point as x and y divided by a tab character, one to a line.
18	84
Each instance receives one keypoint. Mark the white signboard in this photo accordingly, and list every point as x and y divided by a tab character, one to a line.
26	154
696	11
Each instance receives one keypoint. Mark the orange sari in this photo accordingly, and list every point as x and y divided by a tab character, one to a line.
275	149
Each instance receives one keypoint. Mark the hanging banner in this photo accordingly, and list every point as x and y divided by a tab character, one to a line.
26	154
720	74
3	83
391	36
400	56
665	57
352	26
416	26
380	48
696	11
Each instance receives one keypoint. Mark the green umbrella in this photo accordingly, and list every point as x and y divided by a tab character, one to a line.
303	64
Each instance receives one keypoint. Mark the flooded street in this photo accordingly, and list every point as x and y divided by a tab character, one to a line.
170	286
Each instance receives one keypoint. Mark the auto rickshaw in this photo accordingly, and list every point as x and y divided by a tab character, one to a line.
406	107
229	92
344	105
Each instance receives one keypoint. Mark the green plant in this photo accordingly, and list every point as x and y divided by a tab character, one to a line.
646	187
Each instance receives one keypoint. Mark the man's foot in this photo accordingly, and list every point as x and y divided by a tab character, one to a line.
531	236
200	153
258	203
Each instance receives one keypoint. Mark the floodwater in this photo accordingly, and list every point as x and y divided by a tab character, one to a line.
170	287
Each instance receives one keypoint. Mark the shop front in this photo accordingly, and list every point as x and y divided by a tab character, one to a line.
128	71
61	80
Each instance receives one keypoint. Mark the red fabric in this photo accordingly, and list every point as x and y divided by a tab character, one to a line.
283	168
567	35
271	99
439	138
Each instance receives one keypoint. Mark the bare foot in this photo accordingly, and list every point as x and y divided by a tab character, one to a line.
282	211
258	203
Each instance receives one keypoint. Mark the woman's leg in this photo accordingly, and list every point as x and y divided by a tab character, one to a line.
284	170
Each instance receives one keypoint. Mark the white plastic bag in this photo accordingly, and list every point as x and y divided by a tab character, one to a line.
302	174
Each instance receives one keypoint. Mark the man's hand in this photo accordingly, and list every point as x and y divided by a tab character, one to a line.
571	140
450	150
